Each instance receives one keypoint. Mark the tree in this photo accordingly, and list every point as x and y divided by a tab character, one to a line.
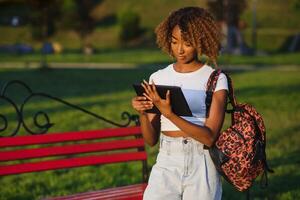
229	11
77	17
43	17
296	5
129	22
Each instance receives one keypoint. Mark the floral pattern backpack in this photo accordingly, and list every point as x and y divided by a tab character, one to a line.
239	151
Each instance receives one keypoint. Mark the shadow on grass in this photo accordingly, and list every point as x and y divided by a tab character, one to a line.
67	83
288	159
77	83
285	179
277	186
284	135
268	90
101	85
73	83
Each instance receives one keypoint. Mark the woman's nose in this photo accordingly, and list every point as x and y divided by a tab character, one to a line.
180	49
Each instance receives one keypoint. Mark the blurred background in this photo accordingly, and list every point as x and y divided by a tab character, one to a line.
89	52
103	28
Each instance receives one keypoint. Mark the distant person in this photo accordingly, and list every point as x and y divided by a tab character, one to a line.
184	169
88	49
57	47
15	21
47	48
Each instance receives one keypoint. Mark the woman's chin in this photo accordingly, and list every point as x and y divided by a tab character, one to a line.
184	61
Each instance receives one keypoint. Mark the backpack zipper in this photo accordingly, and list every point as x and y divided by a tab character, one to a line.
239	134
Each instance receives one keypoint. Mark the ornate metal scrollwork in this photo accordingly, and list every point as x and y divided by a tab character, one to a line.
44	127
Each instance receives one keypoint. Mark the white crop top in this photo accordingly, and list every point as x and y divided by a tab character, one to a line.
193	85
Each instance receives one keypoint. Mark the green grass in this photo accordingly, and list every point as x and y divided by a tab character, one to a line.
112	56
275	93
145	56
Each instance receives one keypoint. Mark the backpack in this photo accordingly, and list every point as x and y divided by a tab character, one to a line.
239	151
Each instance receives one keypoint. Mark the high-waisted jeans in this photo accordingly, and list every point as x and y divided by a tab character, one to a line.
183	171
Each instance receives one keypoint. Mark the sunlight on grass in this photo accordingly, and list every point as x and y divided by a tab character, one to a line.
274	93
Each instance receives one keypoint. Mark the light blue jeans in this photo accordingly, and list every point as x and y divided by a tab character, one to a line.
183	171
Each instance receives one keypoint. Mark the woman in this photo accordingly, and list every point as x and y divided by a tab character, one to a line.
184	169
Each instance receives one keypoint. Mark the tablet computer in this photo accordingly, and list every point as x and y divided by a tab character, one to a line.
178	101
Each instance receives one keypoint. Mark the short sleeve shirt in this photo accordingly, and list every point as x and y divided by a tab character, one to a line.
193	85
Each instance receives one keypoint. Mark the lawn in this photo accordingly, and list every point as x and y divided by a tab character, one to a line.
143	56
107	92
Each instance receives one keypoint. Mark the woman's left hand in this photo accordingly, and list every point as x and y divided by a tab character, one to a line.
163	105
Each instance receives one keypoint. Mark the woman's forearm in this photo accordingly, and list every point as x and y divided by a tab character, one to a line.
149	130
209	132
202	134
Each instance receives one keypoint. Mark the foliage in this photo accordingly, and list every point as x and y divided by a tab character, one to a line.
42	18
129	22
77	17
68	8
227	10
296	5
86	23
272	26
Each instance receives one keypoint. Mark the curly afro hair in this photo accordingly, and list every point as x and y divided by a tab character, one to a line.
198	28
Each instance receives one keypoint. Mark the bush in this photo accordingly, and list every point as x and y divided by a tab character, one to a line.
129	22
296	5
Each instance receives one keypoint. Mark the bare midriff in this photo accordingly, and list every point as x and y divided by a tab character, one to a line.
175	133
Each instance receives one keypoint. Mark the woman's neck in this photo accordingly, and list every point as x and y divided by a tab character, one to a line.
188	67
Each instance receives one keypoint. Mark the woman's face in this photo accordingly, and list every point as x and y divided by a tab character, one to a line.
182	50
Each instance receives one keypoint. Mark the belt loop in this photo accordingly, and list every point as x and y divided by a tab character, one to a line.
168	147
161	142
200	148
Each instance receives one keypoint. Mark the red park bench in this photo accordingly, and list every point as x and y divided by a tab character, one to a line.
77	149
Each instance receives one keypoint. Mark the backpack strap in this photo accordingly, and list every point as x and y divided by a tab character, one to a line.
264	176
211	86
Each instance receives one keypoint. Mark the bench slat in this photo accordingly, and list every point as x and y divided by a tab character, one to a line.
118	194
79	157
70	149
69	136
71	162
134	194
124	192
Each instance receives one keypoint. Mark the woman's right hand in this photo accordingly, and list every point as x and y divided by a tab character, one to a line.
141	104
